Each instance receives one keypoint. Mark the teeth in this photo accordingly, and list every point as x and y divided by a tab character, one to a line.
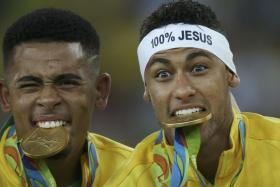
187	112
50	124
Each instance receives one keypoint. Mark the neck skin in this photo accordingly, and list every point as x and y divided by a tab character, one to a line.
212	145
214	140
66	169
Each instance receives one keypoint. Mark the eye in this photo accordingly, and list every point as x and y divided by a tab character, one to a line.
198	68
29	87
68	83
163	74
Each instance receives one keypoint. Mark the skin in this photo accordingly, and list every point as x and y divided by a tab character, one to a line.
55	81
183	78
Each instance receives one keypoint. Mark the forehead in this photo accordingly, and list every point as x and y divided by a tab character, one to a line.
47	56
48	60
169	53
45	51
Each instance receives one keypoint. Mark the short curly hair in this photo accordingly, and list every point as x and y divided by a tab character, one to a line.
50	25
182	11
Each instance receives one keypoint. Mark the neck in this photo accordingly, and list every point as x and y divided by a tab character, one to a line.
212	146
214	140
65	169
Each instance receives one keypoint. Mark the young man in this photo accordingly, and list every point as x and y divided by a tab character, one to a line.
186	65
52	86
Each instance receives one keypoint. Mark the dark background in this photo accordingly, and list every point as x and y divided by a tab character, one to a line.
253	29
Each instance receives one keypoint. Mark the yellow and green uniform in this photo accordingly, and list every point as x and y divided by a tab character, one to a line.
260	166
103	157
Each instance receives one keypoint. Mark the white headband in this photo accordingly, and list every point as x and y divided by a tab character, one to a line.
184	35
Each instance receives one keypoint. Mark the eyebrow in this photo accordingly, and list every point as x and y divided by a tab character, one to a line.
197	54
67	76
191	56
159	60
28	78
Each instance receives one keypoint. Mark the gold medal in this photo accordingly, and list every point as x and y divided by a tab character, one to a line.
45	142
188	121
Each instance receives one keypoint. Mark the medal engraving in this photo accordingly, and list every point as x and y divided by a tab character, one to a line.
45	142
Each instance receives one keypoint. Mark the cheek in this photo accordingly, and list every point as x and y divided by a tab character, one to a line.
81	104
21	109
81	110
159	99
216	92
20	103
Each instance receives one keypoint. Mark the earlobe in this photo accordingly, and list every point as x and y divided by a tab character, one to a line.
4	97
103	87
233	80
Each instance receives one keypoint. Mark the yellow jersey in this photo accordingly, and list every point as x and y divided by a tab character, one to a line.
261	165
110	156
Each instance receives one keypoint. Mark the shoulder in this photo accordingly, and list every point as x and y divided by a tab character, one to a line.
143	152
262	151
137	169
262	127
8	176
111	155
105	144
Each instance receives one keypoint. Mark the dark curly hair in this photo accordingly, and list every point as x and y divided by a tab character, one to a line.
50	25
182	11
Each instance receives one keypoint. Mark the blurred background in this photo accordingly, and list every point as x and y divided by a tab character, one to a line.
252	26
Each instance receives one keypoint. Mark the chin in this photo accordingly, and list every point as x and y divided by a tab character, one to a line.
62	154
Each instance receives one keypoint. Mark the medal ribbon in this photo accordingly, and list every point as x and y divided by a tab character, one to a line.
186	146
35	173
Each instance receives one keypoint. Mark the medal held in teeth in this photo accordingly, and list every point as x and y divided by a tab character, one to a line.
187	117
45	142
187	122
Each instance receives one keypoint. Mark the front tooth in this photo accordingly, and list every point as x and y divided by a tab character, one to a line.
187	111
40	124
51	124
47	124
58	123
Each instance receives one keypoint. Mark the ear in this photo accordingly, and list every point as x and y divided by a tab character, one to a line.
233	79
4	97
103	87
146	94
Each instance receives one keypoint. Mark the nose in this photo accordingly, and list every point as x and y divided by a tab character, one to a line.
49	98
183	88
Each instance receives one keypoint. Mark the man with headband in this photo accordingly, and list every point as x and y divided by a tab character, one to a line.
52	86
187	68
